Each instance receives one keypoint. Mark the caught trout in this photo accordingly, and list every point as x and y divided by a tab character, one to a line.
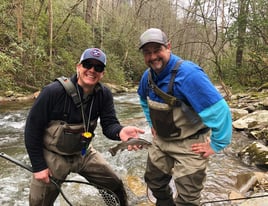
141	143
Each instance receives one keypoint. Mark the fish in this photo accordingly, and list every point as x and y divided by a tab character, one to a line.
141	143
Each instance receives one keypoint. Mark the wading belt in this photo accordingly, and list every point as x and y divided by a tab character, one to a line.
167	97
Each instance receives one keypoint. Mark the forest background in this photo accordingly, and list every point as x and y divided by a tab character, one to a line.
41	40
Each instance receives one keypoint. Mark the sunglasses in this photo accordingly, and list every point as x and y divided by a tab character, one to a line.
97	67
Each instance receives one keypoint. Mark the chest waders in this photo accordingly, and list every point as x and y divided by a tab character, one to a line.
173	119
69	139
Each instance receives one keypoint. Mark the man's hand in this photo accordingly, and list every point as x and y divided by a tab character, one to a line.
131	132
203	149
43	175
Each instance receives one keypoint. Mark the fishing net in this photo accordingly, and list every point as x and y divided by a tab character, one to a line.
109	199
76	192
87	193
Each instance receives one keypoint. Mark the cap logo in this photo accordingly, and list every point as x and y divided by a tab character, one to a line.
95	53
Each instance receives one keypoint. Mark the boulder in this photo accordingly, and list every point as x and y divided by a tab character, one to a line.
254	120
238	113
255	154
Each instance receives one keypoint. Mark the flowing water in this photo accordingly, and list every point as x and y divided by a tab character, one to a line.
130	165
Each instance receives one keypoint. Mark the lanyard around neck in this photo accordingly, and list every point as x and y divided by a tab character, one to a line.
86	124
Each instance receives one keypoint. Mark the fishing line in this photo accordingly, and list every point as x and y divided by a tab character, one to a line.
235	199
110	198
172	186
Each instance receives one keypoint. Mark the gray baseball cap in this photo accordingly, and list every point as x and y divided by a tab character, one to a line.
94	53
153	35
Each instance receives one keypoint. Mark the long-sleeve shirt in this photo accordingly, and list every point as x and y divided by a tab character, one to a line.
194	87
52	104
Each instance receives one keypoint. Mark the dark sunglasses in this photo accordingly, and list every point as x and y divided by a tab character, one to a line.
97	67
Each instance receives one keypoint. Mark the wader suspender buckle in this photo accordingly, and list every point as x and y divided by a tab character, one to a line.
167	97
70	89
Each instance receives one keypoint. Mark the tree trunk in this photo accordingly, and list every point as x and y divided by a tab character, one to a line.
242	26
89	9
50	30
36	16
18	12
98	10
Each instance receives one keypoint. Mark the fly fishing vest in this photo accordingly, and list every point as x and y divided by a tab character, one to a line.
173	119
63	138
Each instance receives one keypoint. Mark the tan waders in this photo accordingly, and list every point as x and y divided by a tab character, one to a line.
175	158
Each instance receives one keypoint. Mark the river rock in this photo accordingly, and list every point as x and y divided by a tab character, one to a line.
245	182
257	181
263	87
116	88
255	154
262	201
265	103
9	93
255	120
252	181
260	135
238	113
250	101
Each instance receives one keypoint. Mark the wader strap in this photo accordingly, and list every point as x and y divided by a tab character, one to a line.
173	75
70	89
168	98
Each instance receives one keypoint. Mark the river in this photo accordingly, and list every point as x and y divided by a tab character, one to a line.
130	165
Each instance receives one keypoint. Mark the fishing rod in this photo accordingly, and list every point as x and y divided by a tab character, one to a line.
17	162
110	198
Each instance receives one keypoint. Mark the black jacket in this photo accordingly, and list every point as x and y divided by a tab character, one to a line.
50	105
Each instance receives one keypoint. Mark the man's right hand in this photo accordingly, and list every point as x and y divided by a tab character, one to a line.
43	175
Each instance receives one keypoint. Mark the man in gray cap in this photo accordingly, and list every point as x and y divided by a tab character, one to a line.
189	121
60	127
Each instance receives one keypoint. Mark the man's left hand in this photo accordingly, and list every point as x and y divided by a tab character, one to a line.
203	149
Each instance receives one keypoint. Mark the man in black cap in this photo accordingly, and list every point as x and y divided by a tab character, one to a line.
189	120
59	130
